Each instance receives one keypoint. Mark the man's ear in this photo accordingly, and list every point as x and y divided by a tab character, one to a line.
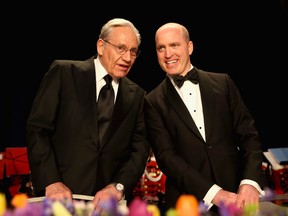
100	46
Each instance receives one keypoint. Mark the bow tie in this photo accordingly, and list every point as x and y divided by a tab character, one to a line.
191	75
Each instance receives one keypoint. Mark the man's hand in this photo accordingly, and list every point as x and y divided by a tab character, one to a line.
104	195
224	197
58	191
247	195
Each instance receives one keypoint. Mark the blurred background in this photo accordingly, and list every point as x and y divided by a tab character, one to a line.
246	39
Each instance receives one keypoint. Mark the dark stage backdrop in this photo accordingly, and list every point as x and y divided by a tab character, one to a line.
247	40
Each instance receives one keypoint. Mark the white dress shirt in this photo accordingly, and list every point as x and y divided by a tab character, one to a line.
100	82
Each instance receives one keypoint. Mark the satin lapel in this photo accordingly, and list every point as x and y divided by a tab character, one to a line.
178	105
86	93
208	102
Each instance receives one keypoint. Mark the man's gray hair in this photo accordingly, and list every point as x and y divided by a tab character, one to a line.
116	22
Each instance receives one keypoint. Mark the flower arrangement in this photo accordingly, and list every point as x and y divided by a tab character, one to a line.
186	205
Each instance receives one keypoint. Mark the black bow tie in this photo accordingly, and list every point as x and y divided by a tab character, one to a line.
191	75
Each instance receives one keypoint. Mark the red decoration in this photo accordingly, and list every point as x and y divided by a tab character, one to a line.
16	160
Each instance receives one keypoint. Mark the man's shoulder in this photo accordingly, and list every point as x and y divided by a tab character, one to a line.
133	84
156	93
73	61
70	63
211	73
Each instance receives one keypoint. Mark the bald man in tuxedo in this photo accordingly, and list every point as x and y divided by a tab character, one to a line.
202	134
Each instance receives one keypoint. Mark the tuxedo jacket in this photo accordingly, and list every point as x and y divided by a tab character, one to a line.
232	150
62	132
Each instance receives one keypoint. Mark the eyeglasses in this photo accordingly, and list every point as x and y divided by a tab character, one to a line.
121	49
